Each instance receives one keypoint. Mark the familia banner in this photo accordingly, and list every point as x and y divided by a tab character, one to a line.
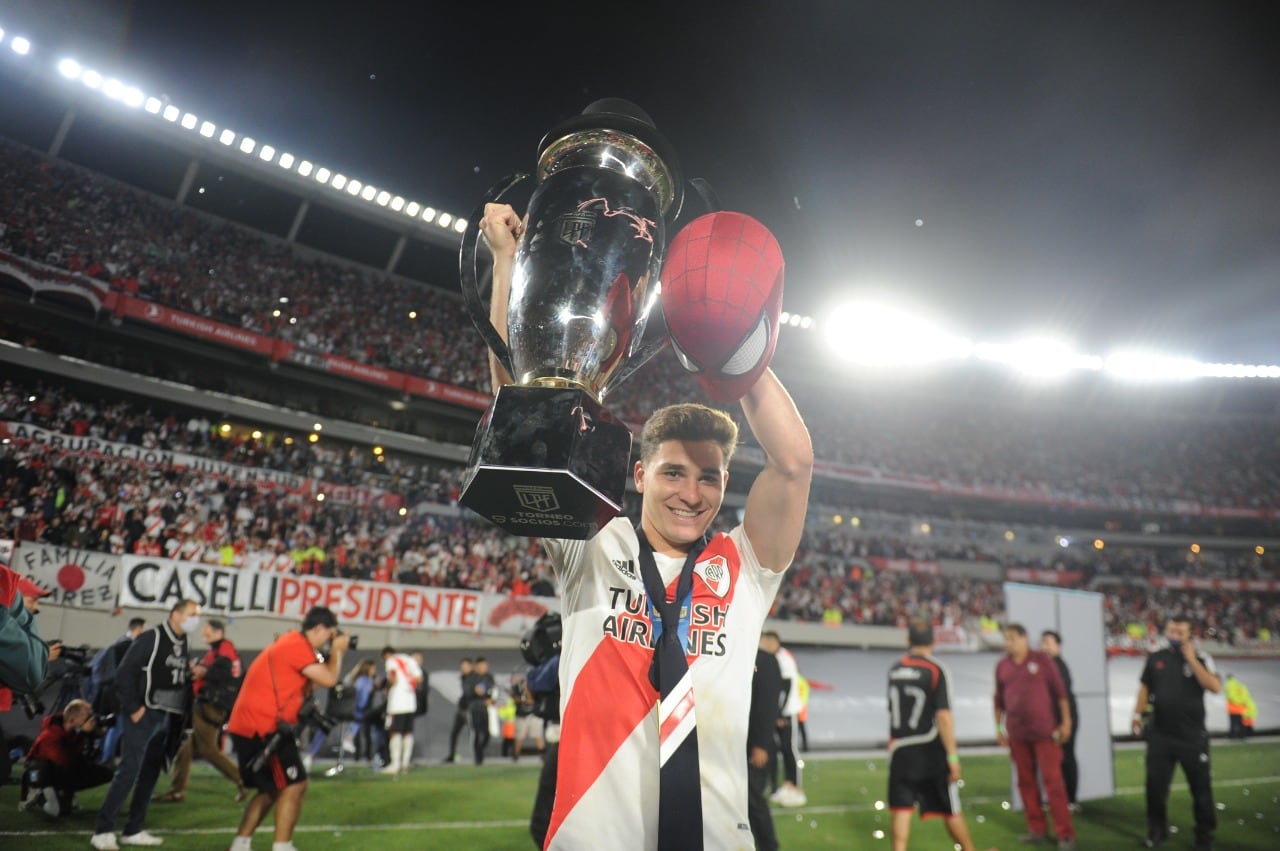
153	583
78	579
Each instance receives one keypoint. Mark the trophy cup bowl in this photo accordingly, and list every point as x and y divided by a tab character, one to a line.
549	460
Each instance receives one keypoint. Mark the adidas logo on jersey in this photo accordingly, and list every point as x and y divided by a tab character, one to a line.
626	567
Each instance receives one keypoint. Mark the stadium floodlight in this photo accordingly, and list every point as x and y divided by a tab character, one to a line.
444	220
189	121
305	167
412	208
133	97
207	129
92	79
286	160
886	336
1040	357
368	193
353	187
459	225
171	113
397	203
267	153
70	69
247	144
153	105
1238	370
113	88
226	137
1149	366
322	175
384	198
20	45
428	213
339	181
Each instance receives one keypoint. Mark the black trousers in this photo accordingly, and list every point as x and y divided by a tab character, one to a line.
1164	754
459	721
758	815
1070	770
480	729
1237	727
787	748
544	801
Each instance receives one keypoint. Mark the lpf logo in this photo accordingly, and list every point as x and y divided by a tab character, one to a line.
715	572
536	497
577	228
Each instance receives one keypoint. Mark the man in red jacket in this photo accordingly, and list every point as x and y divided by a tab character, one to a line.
60	763
1028	687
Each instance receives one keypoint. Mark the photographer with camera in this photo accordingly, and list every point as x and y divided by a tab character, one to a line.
266	716
216	683
61	760
153	683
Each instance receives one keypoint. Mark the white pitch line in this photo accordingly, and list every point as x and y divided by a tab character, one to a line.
483	825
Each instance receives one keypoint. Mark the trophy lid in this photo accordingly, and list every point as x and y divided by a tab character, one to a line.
625	117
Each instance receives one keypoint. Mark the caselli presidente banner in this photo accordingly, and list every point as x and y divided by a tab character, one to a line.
153	583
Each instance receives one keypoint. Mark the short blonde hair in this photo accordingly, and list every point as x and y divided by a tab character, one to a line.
689	422
78	708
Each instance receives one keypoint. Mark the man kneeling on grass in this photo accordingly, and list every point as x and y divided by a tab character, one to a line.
265	717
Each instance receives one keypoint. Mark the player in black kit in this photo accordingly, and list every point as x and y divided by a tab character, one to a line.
923	762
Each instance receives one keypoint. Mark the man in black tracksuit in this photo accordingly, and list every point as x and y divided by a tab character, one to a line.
462	714
767	697
1173	685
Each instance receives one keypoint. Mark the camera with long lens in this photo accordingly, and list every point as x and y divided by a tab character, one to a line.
354	644
311	715
283	728
76	655
32	705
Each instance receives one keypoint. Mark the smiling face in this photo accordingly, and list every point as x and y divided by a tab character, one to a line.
682	484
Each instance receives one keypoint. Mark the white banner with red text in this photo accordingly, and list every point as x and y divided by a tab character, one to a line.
157	583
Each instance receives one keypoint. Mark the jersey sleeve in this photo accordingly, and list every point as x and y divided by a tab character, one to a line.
1148	676
942	692
565	554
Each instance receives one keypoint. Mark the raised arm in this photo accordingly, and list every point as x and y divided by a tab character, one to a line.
779	496
501	228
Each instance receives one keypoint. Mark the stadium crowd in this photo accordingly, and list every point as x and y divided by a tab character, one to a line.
55	496
65	217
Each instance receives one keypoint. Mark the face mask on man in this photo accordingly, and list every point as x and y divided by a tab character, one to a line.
1175	645
190	624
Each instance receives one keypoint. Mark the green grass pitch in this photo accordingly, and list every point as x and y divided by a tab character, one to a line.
487	807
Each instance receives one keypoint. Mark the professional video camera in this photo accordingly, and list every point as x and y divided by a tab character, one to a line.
71	668
541	649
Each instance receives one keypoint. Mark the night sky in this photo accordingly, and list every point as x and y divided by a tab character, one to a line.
1106	171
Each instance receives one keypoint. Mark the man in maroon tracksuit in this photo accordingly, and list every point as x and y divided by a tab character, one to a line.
1028	687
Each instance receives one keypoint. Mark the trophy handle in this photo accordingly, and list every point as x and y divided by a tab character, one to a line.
470	279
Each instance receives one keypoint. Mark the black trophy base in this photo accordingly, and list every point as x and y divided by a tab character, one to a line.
548	462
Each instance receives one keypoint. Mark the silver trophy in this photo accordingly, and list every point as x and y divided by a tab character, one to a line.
548	459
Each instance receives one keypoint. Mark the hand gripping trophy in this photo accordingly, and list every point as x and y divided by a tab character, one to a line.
549	460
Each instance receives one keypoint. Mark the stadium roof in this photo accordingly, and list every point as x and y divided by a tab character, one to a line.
1099	173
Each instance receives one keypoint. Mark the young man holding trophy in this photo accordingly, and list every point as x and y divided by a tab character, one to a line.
661	620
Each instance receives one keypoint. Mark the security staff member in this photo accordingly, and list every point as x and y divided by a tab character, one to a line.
1173	685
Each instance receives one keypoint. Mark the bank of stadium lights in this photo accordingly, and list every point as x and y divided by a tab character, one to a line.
872	334
133	97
